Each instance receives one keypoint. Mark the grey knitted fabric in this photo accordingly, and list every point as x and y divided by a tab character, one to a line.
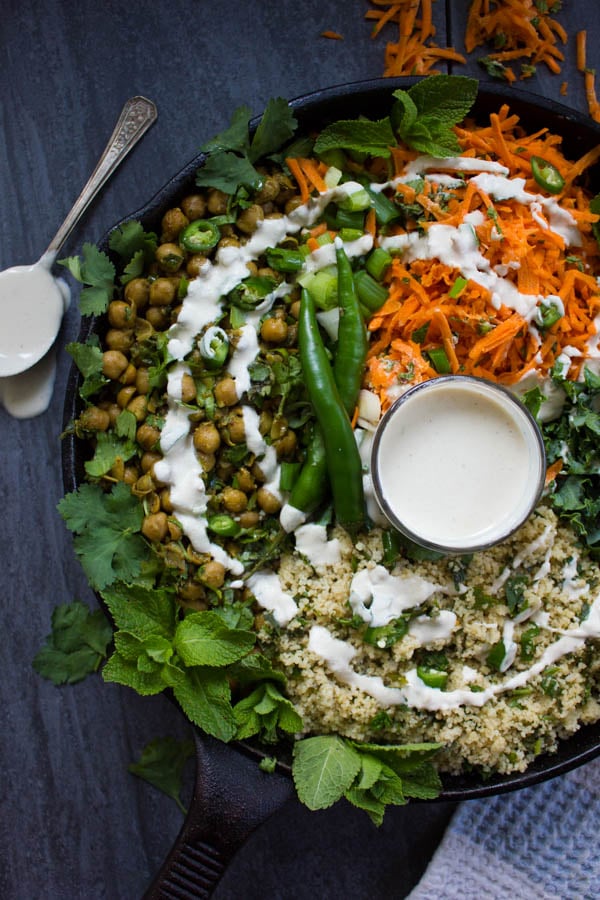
541	843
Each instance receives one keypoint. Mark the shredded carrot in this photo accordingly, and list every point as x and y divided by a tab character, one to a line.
294	167
563	88
553	470
318	230
521	31
415	50
371	223
309	167
581	42
332	35
432	305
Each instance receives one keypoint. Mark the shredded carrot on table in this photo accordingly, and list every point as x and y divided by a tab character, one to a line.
520	30
429	307
332	35
415	52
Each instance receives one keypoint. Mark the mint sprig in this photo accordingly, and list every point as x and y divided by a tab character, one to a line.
372	777
423	117
161	764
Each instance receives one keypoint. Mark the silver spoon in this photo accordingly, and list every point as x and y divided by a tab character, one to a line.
32	301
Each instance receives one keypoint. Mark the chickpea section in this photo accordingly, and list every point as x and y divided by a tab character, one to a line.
130	411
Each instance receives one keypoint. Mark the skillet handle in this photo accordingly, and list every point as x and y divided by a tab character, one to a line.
232	797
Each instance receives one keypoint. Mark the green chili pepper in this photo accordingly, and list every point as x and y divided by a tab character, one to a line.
310	487
547	175
200	235
343	461
252	291
223	525
214	347
434	678
352	336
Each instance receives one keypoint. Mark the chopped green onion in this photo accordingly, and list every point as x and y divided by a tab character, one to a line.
378	262
439	360
345	218
283	259
350	234
332	177
371	294
548	314
357	200
322	286
386	210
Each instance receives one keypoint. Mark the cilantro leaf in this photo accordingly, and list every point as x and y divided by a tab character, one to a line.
203	639
360	135
226	171
76	645
161	765
276	127
109	448
235	137
106	528
205	697
89	360
129	238
94	270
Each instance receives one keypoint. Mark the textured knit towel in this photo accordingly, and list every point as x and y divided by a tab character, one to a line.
540	843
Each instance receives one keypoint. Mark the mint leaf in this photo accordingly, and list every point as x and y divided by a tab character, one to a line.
276	127
161	765
359	135
226	171
323	769
141	611
255	667
205	697
263	712
125	671
94	270
106	528
203	639
423	117
76	645
444	98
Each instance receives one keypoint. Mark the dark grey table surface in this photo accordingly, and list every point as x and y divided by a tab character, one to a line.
73	822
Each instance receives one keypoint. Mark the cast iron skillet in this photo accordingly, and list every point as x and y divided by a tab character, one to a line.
232	795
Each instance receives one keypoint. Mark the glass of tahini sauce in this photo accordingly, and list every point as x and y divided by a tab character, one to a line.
458	464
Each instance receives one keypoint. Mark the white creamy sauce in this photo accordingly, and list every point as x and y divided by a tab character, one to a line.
379	597
312	543
29	394
456	467
33	303
338	654
428	629
266	455
269	594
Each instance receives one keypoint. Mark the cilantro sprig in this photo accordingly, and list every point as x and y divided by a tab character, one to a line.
233	153
76	646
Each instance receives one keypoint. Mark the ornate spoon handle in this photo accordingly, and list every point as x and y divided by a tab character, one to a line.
137	116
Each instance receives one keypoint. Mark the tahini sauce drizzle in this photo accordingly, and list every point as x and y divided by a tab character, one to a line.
33	303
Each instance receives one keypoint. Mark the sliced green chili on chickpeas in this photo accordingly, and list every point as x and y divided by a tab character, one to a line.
200	235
